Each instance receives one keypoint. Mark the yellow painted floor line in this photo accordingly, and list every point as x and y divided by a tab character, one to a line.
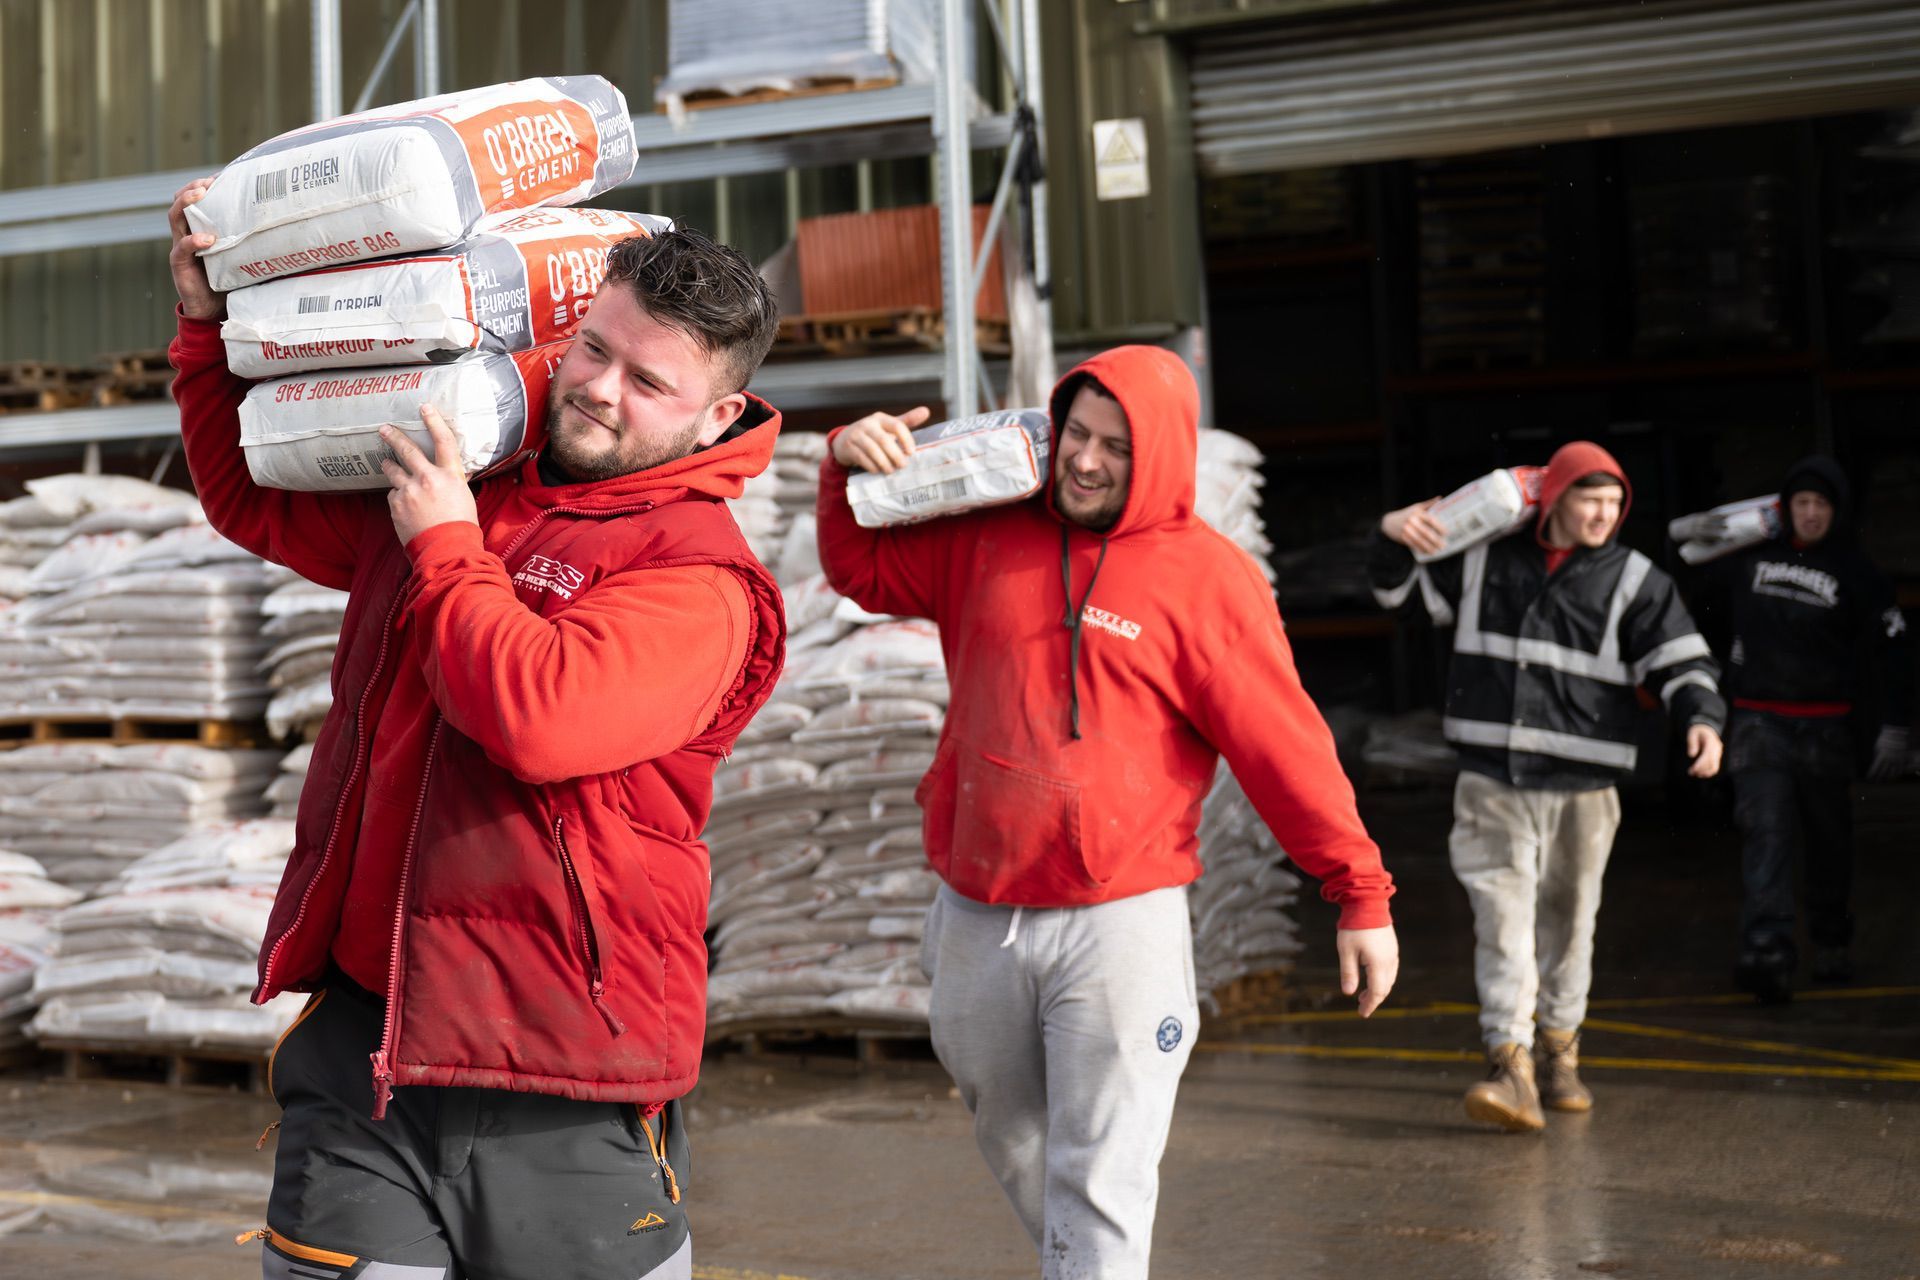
735	1273
1615	1064
1755	1046
1741	997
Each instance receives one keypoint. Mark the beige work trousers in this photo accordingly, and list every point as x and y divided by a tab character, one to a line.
1531	862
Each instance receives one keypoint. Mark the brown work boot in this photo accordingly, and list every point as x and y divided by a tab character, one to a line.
1507	1097
1560	1086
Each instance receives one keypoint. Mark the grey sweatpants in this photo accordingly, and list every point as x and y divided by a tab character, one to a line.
1531	862
1066	1030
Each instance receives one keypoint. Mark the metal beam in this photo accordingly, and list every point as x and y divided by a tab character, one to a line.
326	58
954	190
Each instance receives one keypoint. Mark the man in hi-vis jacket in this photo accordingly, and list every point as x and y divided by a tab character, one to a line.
497	891
1553	628
1105	649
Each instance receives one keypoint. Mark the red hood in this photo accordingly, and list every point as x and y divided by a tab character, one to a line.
721	470
1162	403
1570	462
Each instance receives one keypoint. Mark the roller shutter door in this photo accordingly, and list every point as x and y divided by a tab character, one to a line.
1491	76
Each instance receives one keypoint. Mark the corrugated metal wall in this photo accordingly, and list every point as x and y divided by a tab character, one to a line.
108	88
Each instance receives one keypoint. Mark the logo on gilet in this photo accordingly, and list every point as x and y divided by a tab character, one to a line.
543	574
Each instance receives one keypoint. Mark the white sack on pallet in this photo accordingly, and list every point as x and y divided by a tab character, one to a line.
520	280
321	431
740	46
984	461
416	175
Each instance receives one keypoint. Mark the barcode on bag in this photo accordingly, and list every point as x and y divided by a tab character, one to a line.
312	304
270	186
944	491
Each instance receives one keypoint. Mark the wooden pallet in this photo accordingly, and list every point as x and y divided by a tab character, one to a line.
701	99
857	333
176	1066
37	386
133	375
864	1040
128	730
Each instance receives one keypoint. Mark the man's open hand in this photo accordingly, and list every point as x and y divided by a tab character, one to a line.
426	491
879	442
1375	950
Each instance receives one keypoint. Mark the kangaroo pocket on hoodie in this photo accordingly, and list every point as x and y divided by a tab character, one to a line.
1016	834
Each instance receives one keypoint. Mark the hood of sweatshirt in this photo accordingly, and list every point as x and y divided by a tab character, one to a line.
1569	463
1162	403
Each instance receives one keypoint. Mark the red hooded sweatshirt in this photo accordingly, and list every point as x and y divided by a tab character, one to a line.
500	830
1181	658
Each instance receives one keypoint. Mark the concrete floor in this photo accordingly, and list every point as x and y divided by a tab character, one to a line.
1729	1140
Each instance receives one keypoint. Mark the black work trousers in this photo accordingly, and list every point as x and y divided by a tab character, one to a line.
1793	803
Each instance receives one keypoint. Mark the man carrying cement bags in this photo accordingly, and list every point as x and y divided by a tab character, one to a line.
1554	626
1105	648
1814	635
497	890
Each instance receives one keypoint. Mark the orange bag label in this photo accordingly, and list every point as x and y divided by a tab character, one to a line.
528	152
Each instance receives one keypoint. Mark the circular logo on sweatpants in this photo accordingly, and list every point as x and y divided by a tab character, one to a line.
1169	1035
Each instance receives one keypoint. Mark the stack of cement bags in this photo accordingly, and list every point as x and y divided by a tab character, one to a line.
820	886
60	509
1227	493
120	625
87	810
1240	905
303	625
359	300
28	903
776	511
283	793
167	957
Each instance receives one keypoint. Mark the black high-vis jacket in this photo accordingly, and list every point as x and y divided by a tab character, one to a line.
1818	623
1540	689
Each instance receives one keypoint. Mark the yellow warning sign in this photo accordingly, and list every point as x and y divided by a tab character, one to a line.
1120	159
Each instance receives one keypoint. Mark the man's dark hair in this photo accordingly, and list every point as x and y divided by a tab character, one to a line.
707	291
1597	480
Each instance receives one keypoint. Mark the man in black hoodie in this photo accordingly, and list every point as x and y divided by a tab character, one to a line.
1811	624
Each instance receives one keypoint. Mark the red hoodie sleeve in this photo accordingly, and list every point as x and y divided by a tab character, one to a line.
1255	713
317	535
636	667
898	570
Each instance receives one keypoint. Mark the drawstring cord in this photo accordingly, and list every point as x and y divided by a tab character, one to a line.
1072	619
1013	929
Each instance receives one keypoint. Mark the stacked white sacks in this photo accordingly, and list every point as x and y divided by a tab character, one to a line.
820	883
776	511
303	626
1240	906
59	509
87	810
167	955
28	903
1227	492
122	625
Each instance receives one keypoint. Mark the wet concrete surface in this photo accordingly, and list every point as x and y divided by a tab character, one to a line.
1728	1139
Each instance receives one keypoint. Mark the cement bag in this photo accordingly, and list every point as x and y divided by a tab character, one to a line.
956	466
321	431
416	175
1495	504
1708	535
520	280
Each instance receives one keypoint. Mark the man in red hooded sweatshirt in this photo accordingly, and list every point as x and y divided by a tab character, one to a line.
497	889
1553	627
1105	649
